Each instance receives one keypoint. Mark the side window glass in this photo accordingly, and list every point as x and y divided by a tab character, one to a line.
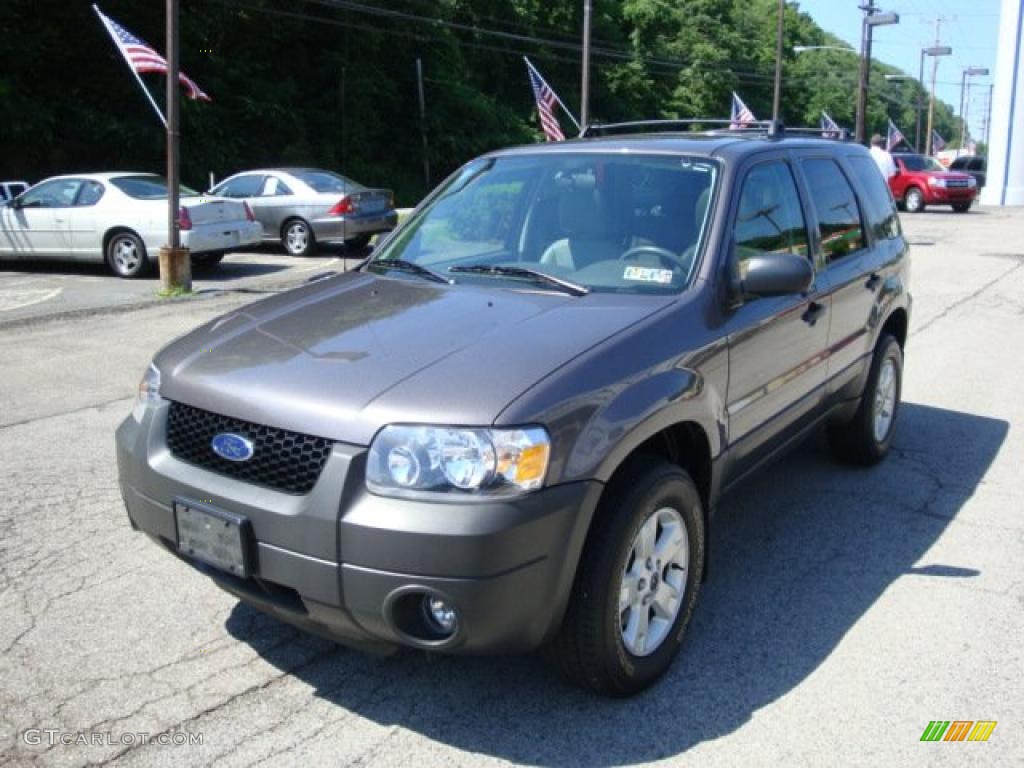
274	187
59	193
879	207
247	186
769	219
836	206
90	193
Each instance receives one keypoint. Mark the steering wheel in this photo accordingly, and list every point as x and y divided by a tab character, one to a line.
666	256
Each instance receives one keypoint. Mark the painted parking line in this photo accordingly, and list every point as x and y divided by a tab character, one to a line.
18	299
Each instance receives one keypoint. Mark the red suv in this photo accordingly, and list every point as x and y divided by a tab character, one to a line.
921	181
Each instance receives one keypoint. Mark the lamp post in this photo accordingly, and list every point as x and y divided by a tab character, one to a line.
969	72
779	29
585	74
872	19
935	50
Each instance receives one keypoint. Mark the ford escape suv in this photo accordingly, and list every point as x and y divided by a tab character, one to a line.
510	427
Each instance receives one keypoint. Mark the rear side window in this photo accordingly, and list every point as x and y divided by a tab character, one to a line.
274	187
243	186
879	207
769	219
90	193
838	214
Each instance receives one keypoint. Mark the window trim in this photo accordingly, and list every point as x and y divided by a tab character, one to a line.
80	181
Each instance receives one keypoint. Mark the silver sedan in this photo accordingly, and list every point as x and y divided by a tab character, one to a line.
305	206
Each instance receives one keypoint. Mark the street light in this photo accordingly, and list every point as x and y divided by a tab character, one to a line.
872	19
969	72
935	50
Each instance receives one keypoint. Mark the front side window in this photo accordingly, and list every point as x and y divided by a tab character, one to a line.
274	187
59	193
879	206
770	218
839	222
241	186
607	222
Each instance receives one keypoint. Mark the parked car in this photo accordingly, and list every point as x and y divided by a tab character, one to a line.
921	181
120	218
301	207
512	425
975	165
11	189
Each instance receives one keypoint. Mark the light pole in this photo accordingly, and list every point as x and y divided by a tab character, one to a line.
969	72
779	28
585	75
872	19
935	50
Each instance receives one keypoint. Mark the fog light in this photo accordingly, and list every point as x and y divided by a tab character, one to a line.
440	613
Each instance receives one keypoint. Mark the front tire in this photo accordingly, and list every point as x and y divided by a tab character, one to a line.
357	243
126	255
961	207
297	237
637	581
865	439
913	201
207	261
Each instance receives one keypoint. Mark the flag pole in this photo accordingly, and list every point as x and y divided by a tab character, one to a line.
103	21
560	102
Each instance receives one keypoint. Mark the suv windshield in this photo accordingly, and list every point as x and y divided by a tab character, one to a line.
921	163
324	181
148	187
624	223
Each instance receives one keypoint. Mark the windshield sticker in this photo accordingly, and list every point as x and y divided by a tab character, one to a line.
648	275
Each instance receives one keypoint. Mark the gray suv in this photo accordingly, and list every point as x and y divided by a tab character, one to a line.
511	426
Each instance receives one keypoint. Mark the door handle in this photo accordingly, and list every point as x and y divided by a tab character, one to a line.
813	312
873	281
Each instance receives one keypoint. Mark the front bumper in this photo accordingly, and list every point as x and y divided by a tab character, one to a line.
344	563
338	229
941	195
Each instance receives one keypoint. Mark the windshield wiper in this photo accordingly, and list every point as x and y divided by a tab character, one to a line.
497	270
410	266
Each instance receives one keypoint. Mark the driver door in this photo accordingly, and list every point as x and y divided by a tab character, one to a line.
35	227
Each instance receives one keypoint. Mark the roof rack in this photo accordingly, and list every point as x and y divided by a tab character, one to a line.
773	129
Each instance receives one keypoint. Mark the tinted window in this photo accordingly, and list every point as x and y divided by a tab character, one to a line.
769	219
920	163
147	187
59	193
879	207
324	181
836	206
241	186
977	164
90	193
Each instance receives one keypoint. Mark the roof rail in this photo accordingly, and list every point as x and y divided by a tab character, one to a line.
770	128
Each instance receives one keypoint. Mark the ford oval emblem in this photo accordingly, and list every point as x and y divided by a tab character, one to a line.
232	447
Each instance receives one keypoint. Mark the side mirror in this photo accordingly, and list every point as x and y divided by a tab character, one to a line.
15	203
777	274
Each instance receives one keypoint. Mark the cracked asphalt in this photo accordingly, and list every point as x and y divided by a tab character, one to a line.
845	608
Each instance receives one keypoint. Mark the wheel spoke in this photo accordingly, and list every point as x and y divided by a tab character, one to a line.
666	601
628	592
669	542
646	538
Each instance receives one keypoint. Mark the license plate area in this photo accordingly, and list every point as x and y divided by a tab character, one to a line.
216	537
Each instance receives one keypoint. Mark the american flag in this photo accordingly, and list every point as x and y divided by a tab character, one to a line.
829	128
938	143
546	100
894	137
143	57
741	114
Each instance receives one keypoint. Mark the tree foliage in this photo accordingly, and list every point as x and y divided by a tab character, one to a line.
331	84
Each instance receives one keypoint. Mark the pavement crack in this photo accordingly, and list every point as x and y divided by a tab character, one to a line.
965	300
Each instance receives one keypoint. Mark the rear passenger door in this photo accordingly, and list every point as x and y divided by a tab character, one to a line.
275	202
776	343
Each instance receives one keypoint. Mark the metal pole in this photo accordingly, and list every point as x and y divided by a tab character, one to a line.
963	83
865	68
585	85
920	105
967	116
931	98
988	117
175	266
423	121
777	100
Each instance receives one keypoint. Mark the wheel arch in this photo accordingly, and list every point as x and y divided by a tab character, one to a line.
896	324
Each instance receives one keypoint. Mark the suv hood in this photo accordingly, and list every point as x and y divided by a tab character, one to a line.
342	357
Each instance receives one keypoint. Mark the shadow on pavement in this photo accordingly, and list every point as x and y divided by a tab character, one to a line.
798	555
234	267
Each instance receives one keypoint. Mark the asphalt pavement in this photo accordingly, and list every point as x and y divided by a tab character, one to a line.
845	609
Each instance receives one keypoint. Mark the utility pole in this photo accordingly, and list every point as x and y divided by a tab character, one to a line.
780	26
585	85
965	103
423	121
175	264
920	105
931	98
988	116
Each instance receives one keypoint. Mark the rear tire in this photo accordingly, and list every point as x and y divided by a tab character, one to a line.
637	581
126	255
865	439
297	237
913	200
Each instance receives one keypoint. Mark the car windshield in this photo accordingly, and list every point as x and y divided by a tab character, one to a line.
921	163
624	223
148	187
325	181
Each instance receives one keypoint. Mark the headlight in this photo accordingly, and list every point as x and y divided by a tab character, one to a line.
972	182
935	181
423	458
149	392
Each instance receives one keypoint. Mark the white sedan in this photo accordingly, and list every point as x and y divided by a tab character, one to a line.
120	218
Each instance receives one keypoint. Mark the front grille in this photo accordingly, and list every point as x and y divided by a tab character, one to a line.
957	183
286	461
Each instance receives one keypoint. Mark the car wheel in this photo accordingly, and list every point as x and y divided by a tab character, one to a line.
357	243
961	207
126	255
297	237
865	439
913	201
203	261
637	581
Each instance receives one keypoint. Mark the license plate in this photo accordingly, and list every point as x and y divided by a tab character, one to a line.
216	537
234	238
